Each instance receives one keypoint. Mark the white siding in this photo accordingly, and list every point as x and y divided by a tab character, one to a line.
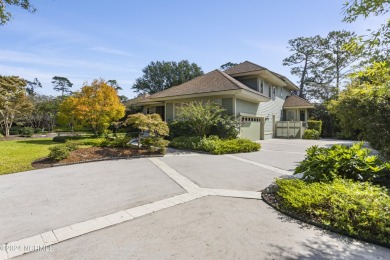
243	106
272	107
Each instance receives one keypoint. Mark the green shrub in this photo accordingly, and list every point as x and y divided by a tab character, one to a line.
155	144
37	130
325	164
15	130
315	125
187	142
27	131
1	136
59	152
226	128
311	134
117	142
215	145
63	139
96	142
358	208
180	128
62	151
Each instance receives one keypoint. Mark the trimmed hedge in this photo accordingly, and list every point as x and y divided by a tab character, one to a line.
311	134
215	145
27	131
315	125
357	208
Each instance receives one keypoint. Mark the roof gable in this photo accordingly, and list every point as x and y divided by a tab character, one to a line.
295	102
243	67
213	81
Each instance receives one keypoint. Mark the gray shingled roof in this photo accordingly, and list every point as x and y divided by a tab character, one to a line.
243	67
248	66
295	101
213	81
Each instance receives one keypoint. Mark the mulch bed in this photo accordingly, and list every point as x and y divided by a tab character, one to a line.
93	154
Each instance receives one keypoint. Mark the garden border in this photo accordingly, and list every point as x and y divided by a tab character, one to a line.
319	225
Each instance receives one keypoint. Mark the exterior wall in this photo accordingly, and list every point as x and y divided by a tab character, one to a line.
227	103
272	107
243	106
169	112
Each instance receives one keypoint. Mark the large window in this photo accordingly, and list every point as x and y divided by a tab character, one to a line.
261	90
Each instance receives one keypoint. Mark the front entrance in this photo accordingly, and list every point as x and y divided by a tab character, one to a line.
161	111
250	128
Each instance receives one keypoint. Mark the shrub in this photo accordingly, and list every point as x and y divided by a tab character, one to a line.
180	128
27	131
215	145
315	125
37	130
357	208
117	142
155	144
62	151
15	130
232	146
226	128
93	141
59	152
63	139
1	136
187	142
311	134
326	164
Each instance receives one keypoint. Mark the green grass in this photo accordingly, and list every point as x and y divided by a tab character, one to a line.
17	156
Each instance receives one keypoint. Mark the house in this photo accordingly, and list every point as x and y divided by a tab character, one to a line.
256	96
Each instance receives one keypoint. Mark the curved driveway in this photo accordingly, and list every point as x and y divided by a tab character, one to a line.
213	227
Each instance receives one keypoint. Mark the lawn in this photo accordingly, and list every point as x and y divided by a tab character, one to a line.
17	156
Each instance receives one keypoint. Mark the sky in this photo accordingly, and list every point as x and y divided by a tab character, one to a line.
91	39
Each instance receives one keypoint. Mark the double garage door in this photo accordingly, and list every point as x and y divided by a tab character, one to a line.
250	128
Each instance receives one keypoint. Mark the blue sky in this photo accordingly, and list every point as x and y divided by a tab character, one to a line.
87	39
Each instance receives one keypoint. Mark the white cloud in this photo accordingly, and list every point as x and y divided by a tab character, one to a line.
112	51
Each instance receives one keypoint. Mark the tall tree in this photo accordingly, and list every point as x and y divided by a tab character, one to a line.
5	16
96	105
304	58
227	65
159	76
13	101
32	85
379	40
113	83
337	57
62	84
43	115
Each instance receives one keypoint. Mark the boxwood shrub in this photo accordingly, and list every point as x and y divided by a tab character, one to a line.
311	134
215	145
358	208
62	151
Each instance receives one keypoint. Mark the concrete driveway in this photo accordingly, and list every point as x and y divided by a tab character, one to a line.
183	205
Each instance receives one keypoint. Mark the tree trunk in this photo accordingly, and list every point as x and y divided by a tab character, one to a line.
302	82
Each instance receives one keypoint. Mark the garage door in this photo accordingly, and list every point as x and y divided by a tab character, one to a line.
250	128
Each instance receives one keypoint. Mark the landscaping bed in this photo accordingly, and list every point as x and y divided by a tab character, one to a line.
94	154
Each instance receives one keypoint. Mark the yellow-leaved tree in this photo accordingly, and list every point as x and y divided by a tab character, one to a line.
96	106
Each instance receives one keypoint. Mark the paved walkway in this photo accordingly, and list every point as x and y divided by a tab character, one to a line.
205	207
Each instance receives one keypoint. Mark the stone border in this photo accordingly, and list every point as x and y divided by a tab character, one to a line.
44	240
322	226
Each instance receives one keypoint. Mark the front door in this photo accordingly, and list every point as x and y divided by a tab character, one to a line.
161	111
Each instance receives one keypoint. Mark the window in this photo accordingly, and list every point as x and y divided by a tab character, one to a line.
261	86
269	91
273	92
281	91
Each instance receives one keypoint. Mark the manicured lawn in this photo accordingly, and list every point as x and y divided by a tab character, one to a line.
16	156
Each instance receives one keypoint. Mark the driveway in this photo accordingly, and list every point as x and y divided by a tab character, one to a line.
183	205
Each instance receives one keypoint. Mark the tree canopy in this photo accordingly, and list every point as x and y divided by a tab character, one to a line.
13	101
96	106
32	85
228	65
5	16
161	75
62	84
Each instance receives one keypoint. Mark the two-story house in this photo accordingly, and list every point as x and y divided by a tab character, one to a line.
256	96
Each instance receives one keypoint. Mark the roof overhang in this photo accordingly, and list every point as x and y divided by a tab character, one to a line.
298	107
250	96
